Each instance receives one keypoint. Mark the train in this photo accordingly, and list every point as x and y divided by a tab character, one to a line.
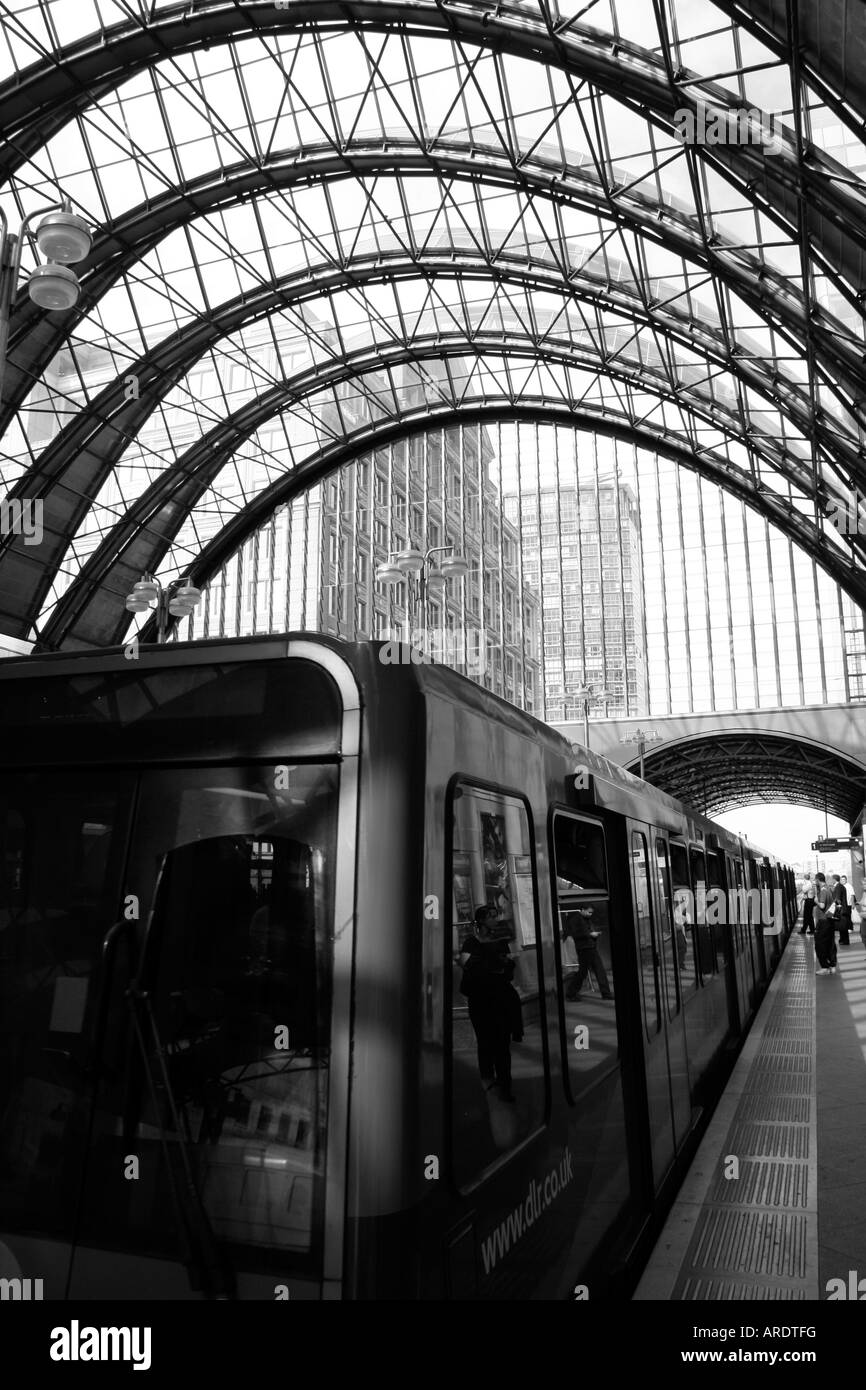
251	893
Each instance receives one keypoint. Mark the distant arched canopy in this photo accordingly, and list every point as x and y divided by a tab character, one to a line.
723	772
454	213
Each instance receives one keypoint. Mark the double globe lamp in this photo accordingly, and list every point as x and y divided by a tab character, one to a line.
63	239
179	600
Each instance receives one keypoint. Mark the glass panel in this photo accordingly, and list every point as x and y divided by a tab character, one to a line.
702	932
718	917
684	919
645	935
586	951
222	1072
497	1051
62	846
674	940
237	868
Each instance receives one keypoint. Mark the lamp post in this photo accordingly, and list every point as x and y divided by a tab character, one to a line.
64	238
641	737
586	695
178	599
402	564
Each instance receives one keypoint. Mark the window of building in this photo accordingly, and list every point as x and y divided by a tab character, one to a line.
498	1071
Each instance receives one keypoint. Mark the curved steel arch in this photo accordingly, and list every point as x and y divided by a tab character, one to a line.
73	468
144	536
517	30
721	772
40	100
34	335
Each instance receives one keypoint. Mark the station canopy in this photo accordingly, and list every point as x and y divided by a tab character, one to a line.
642	217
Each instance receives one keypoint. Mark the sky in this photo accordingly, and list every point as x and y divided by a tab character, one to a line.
788	831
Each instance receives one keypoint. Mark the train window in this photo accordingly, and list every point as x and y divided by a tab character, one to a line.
702	932
580	859
684	919
585	949
222	1088
649	983
674	938
498	1065
719	914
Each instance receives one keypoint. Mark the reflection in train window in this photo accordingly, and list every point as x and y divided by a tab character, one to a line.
497	1036
580	861
647	965
674	939
718	915
684	919
235	880
703	933
585	949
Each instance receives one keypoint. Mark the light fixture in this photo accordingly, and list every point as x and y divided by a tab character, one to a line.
184	601
436	581
52	286
137	605
454	567
410	561
389	574
146	590
64	237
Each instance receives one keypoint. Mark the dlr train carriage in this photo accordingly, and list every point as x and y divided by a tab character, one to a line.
249	893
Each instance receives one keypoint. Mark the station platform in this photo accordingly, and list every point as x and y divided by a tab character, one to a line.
789	1217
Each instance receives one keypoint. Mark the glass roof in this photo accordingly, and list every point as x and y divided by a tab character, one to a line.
321	229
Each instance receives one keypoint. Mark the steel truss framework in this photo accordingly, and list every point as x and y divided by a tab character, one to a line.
724	771
462	212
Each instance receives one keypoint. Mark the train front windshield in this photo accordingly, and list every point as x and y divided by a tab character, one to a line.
214	887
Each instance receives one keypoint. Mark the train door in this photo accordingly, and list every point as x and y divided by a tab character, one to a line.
656	1061
673	946
745	929
753	896
738	946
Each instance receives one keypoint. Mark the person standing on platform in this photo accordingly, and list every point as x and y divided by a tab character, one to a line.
851	896
843	911
808	907
825	927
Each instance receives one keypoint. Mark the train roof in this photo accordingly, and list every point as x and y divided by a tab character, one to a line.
609	778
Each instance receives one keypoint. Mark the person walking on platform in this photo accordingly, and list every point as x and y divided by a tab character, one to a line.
825	927
808	907
578	925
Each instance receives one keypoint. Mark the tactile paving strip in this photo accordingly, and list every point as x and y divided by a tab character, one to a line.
749	1231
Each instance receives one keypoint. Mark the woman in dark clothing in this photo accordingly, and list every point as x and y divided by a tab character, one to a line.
495	1010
